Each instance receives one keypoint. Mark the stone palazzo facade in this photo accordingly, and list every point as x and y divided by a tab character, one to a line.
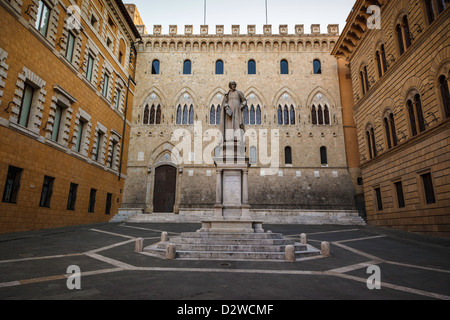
400	72
299	126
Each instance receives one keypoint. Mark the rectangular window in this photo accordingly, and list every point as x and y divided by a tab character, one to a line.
57	123
25	108
72	196
105	85
90	66
400	196
108	203
379	199
47	190
113	155
70	46
12	184
117	98
80	136
98	145
42	18
428	188
92	200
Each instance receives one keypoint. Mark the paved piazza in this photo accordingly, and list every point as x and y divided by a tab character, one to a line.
33	265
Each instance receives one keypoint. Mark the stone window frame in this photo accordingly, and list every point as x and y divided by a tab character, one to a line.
444	70
82	116
92	50
76	32
286	99
371	145
37	106
107	69
321	66
114	145
101	153
64	100
434	10
323	101
380	59
52	30
422	189
399	22
363	76
411	96
187	100
390	138
119	86
3	71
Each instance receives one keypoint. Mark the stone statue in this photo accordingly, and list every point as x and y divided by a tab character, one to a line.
232	119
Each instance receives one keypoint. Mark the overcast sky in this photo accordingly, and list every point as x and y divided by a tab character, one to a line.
243	12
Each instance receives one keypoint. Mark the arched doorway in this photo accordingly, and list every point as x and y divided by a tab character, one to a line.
164	189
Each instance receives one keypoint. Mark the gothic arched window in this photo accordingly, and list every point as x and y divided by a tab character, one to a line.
187	67
317	66
251	67
284	67
219	67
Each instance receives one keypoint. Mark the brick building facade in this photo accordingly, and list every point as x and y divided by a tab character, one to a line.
64	128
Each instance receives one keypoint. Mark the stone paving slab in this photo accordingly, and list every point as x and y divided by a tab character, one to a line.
412	266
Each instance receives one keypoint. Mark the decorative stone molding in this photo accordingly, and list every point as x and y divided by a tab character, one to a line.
3	71
37	107
63	99
100	133
82	116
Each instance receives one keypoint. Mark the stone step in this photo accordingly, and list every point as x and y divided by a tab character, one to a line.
241	241
234	236
251	255
233	248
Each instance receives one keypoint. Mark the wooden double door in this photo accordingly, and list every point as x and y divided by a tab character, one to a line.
164	189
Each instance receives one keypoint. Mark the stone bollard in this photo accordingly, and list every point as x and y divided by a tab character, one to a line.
139	246
325	248
303	238
171	252
164	237
289	253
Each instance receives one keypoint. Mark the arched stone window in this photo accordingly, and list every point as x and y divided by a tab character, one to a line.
212	115
320	115
313	115
152	115
364	77
389	129
380	56
219	67
146	115
179	115
187	67
292	115
323	156
185	114
317	65
371	143
155	67
251	67
258	115
284	67
191	114
415	112
288	156
280	116
403	34
434	8
445	95
246	116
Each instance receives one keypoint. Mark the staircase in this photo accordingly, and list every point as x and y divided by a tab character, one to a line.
232	247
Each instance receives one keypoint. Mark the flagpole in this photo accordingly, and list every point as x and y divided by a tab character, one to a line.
204	11
267	22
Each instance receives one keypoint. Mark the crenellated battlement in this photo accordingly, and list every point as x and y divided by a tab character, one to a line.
236	30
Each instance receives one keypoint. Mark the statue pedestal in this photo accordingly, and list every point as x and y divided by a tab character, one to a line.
232	211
